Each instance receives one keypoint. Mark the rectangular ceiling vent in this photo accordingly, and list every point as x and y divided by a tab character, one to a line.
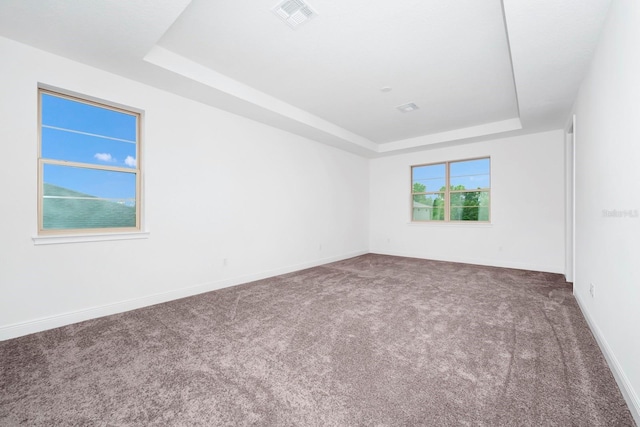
407	108
294	12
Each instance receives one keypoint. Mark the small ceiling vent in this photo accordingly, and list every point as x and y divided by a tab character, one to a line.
407	108
294	12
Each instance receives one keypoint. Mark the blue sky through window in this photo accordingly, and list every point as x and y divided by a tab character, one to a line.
69	114
84	133
472	174
431	176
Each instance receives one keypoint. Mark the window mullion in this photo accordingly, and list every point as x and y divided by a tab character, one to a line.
89	166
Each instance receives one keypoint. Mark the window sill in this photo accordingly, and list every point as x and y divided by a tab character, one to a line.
450	224
81	238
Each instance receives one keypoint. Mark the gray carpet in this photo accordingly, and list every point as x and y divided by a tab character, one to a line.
370	341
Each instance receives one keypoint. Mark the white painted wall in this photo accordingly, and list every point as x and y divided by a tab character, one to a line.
527	206
217	186
607	149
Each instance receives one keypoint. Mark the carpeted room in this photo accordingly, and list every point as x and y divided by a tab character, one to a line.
286	237
372	340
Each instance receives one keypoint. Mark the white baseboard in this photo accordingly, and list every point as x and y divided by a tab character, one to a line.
629	394
37	325
477	261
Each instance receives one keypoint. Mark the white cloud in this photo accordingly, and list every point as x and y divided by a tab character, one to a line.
104	157
130	161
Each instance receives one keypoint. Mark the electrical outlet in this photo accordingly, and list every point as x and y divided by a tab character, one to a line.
592	290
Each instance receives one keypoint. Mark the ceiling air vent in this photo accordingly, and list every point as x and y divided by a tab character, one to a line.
407	108
294	12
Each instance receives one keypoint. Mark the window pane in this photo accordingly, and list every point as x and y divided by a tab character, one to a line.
77	116
79	198
76	147
428	207
428	178
470	206
470	174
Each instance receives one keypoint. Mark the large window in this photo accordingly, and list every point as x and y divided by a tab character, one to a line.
89	166
451	191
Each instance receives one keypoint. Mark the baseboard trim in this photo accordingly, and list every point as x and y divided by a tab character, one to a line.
629	394
42	324
477	261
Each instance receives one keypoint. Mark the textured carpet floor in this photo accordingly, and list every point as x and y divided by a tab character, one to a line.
372	341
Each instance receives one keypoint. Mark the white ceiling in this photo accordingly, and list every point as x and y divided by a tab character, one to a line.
475	68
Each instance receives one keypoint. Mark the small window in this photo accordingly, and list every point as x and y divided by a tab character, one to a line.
451	191
89	166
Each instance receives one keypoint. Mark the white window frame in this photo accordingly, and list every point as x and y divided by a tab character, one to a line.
447	193
51	236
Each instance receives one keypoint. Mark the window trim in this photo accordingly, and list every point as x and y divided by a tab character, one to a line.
88	234
447	193
56	239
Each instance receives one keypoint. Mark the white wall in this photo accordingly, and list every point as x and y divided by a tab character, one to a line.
607	149
217	186
527	206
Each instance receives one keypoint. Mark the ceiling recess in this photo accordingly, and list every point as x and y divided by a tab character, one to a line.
407	108
294	12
